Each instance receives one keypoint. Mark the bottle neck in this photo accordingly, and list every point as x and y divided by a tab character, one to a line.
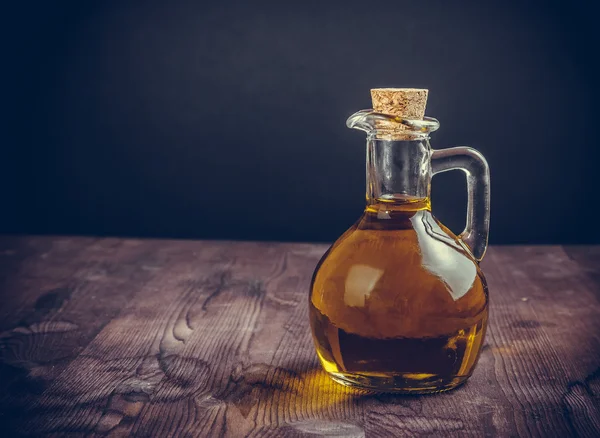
398	171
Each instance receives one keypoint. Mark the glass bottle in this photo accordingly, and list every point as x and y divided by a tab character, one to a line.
398	303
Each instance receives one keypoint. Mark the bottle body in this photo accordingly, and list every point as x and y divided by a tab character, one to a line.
398	303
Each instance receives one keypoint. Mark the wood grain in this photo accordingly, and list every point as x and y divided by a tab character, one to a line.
110	337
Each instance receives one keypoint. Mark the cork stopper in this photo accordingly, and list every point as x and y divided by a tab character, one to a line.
406	103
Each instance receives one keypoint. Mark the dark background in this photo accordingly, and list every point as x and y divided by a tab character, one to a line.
226	119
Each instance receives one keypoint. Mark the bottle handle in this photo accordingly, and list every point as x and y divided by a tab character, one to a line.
470	161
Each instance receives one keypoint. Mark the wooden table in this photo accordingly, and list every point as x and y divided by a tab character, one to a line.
190	338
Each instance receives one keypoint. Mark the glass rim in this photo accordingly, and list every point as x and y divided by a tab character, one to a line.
372	122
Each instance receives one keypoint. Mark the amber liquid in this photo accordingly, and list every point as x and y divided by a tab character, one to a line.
398	304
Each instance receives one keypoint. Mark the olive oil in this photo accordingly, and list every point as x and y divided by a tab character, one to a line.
398	303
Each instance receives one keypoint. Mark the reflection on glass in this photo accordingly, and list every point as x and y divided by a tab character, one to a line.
443	257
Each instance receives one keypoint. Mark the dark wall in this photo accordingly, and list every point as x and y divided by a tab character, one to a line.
226	120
